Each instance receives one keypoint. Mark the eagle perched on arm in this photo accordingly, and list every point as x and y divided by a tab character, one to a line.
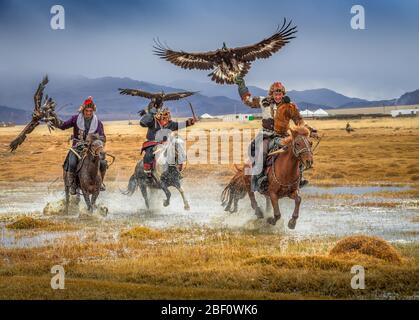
157	99
228	63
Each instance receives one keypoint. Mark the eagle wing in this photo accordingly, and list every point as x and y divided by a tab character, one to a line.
177	95
22	136
185	60
39	93
138	93
37	115
266	47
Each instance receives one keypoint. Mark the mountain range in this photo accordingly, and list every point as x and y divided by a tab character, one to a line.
16	97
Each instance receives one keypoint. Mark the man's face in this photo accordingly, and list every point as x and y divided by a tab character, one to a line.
88	113
278	95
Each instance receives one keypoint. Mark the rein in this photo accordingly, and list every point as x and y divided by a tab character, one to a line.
297	154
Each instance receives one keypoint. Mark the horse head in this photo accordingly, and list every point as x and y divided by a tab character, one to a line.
301	146
94	144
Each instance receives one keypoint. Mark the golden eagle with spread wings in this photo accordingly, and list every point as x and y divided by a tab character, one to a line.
43	111
157	99
228	63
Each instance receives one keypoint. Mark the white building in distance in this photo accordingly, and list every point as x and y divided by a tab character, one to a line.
307	113
404	112
320	113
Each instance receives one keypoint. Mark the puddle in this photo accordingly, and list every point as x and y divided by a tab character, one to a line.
318	217
11	239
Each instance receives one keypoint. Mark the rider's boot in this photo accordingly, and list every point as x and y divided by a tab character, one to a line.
254	183
71	178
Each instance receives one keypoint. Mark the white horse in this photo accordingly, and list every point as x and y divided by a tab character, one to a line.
170	159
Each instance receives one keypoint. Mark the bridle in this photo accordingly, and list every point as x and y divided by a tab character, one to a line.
298	152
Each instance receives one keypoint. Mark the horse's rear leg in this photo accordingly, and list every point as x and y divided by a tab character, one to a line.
185	201
143	189
167	193
275	205
255	206
296	213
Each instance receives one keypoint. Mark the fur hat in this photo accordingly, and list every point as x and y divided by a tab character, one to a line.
276	86
88	103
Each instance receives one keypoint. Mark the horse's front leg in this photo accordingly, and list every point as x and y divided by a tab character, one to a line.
275	205
295	214
255	206
185	201
268	206
94	198
86	197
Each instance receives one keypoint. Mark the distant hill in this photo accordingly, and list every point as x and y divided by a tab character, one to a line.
316	97
14	115
323	97
70	91
409	98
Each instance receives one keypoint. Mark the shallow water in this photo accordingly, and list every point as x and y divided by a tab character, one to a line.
318	217
12	239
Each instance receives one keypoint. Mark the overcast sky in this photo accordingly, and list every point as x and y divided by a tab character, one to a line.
104	38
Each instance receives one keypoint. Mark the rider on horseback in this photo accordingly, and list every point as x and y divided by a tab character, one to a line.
83	123
156	120
275	106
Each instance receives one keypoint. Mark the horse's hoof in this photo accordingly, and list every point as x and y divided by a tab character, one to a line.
187	207
166	203
272	221
292	223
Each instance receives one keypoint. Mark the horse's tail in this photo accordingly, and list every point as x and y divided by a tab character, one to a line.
132	186
226	194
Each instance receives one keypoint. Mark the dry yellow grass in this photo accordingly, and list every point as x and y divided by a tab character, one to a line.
141	233
26	223
206	264
29	223
370	246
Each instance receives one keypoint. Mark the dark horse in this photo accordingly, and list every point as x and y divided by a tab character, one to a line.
89	179
283	177
170	157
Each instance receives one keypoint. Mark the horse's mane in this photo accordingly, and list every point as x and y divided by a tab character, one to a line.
300	130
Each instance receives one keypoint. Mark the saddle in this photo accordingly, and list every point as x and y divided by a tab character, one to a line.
148	144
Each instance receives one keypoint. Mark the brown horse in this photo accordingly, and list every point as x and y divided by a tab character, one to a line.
283	177
89	179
